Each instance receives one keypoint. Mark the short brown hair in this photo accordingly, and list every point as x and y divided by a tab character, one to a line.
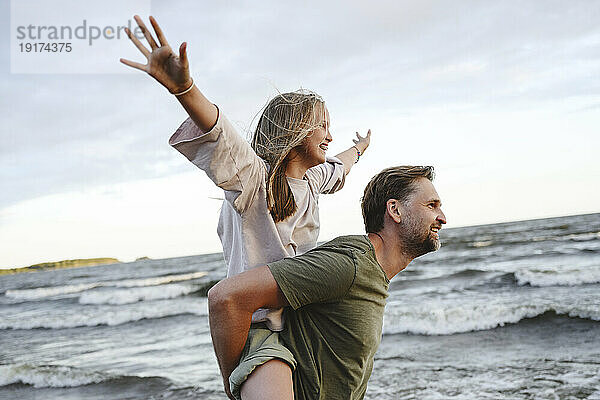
391	183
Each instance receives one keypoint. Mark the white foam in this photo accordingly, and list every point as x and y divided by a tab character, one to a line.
580	237
56	376
133	295
483	243
595	395
159	280
93	315
562	277
44	292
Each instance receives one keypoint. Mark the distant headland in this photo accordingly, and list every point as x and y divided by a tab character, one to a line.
83	262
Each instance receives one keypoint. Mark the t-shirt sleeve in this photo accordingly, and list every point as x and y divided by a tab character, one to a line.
228	160
328	177
320	275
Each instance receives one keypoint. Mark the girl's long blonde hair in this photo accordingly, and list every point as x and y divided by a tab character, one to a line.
283	125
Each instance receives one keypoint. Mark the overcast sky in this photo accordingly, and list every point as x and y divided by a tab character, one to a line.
503	98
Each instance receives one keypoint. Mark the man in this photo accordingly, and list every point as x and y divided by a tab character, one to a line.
336	295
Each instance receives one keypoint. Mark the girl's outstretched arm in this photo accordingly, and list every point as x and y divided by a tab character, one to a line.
173	73
350	157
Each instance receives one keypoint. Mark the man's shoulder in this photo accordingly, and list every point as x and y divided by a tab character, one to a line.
358	243
325	273
340	252
360	249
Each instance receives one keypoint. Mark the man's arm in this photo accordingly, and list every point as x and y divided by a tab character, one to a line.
231	303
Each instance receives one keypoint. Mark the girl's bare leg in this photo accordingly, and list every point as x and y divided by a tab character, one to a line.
270	381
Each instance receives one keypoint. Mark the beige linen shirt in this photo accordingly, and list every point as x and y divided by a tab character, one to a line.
249	236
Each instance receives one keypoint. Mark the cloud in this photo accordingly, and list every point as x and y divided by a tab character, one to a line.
433	69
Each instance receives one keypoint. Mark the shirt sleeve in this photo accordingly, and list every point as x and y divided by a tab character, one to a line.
329	177
228	160
320	275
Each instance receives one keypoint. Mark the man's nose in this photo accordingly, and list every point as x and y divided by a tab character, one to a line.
441	217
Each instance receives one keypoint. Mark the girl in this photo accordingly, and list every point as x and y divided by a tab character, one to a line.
271	193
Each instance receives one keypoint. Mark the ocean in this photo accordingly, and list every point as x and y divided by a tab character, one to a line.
502	311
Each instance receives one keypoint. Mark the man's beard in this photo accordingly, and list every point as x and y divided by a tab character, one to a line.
417	239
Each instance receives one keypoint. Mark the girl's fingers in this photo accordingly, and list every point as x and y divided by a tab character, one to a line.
159	33
133	64
146	32
368	136
137	43
183	54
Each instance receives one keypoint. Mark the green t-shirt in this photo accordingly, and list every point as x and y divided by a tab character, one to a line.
337	292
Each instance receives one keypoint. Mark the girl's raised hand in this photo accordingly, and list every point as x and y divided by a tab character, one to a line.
362	142
163	65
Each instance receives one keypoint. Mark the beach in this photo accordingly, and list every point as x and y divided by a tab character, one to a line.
502	311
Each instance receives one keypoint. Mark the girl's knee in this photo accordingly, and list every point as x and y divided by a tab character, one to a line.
271	380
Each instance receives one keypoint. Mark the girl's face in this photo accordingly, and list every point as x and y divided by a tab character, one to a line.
315	144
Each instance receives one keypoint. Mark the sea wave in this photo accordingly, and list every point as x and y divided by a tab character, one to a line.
457	315
55	376
521	276
446	283
158	280
94	315
133	295
536	271
581	237
506	240
53	291
64	376
482	243
545	278
43	292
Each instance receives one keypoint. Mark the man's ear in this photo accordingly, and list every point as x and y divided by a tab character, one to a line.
393	210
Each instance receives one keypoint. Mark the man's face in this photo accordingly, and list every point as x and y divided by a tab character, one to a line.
422	218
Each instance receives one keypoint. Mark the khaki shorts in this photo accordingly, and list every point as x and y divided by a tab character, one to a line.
262	345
